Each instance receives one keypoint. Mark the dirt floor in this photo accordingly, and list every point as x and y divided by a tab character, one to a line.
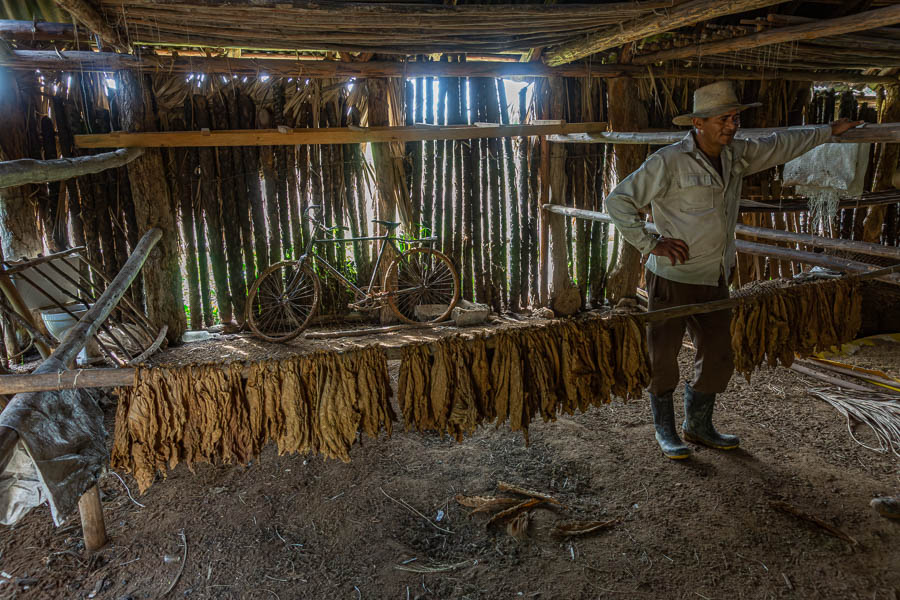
387	525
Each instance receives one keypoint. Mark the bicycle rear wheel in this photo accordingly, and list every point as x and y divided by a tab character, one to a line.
283	301
422	286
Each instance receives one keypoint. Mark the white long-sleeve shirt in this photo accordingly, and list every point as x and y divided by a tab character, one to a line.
690	201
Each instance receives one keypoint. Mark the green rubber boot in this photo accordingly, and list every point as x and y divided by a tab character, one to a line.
664	422
887	506
698	427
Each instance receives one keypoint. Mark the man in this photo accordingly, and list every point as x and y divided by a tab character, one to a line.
693	188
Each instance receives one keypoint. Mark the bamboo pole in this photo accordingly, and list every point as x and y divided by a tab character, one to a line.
185	161
428	175
687	13
459	167
866	134
247	114
209	194
515	225
518	257
878	17
450	162
439	158
228	176
290	66
495	198
241	188
474	199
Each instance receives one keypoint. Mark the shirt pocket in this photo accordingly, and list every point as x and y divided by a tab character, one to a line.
696	192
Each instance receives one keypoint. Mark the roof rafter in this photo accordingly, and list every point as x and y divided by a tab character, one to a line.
685	14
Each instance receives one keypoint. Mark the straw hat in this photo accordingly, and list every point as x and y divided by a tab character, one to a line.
713	100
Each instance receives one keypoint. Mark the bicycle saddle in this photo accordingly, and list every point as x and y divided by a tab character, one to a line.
388	224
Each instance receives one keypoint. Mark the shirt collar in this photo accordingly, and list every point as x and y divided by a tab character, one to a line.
689	145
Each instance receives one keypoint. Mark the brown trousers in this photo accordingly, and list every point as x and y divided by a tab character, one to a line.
710	333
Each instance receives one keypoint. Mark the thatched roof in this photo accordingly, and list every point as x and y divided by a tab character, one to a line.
667	35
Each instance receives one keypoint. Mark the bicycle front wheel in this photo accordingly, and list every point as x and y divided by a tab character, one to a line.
283	301
422	286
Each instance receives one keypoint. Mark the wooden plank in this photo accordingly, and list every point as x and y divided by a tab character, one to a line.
325	135
27	170
807	31
687	13
869	133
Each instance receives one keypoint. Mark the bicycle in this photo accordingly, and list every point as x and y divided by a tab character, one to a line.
285	297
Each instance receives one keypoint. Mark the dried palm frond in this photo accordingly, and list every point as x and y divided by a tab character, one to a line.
513	511
880	412
515	489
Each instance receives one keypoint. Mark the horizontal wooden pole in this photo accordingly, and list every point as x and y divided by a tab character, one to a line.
291	66
325	135
812	258
820	241
39	31
27	170
870	133
878	17
816	259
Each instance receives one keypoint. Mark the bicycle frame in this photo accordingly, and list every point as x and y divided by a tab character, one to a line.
360	293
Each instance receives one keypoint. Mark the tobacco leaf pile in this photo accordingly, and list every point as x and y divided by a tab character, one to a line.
316	403
776	322
453	385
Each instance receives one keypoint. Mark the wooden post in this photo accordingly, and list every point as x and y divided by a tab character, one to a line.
626	113
885	170
386	186
93	525
154	208
565	299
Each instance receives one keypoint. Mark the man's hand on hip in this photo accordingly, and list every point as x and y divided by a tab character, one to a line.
673	249
841	125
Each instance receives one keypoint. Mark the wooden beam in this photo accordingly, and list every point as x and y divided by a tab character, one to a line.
89	16
682	15
293	67
38	31
315	68
867	134
325	135
696	73
27	170
807	31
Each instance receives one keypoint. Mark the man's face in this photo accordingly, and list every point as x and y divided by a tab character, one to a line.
719	130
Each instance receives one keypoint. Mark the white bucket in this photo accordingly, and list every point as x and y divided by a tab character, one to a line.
59	322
